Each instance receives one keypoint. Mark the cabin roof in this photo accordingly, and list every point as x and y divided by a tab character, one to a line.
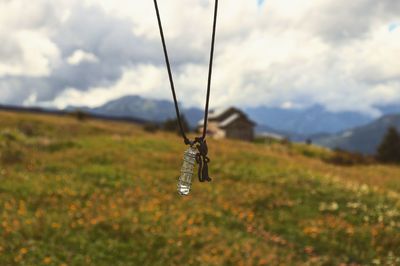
218	114
229	120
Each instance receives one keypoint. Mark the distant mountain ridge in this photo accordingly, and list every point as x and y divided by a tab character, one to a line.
148	109
313	120
364	139
142	108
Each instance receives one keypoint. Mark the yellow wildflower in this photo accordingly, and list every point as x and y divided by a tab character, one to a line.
22	208
8	206
47	260
18	258
23	251
55	225
115	227
72	207
312	231
350	231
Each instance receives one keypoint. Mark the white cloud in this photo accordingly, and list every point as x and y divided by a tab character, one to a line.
80	56
26	48
336	53
31	100
37	54
144	80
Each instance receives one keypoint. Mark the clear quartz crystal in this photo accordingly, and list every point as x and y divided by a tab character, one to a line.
185	180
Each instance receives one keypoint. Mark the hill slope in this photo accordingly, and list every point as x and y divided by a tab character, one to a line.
363	139
104	193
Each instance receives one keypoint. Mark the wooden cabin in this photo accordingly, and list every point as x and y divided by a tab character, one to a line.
229	123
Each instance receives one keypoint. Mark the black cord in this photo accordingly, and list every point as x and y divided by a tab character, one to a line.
171	81
210	70
187	141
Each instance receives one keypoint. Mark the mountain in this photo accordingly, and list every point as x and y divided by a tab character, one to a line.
364	139
143	108
296	124
193	116
262	130
308	121
389	109
136	106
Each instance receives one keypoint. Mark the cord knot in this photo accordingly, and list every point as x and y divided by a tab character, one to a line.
202	159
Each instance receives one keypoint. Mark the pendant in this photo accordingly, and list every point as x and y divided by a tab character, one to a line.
185	180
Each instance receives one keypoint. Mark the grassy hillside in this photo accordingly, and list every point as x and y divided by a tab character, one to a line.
103	193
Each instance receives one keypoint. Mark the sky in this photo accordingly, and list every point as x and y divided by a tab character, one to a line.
341	54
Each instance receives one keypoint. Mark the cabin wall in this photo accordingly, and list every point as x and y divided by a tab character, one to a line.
240	130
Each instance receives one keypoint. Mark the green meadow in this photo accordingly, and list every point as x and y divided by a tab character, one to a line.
97	192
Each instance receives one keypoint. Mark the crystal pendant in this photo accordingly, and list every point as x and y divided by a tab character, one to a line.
185	180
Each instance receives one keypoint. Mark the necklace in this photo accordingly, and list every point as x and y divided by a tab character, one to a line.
198	150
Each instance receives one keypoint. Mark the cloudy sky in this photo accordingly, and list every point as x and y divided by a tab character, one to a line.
342	54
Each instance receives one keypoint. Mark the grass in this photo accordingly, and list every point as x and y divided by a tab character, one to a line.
102	193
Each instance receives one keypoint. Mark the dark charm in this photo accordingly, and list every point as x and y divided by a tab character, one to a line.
202	160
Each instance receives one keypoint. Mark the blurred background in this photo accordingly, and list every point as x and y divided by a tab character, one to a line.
304	133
